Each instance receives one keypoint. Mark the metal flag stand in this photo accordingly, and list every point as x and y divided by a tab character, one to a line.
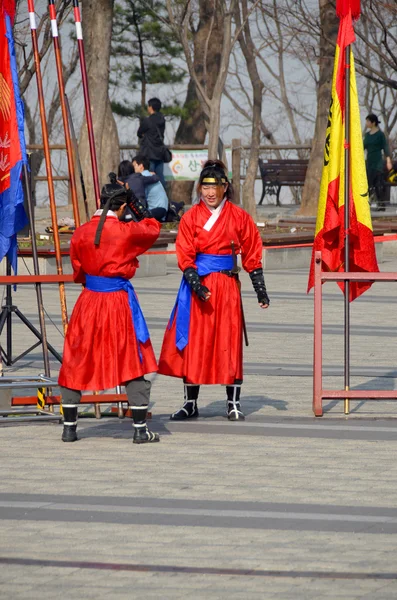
9	308
21	415
7	382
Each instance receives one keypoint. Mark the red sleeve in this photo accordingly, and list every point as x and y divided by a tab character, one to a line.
78	273
185	246
143	234
251	244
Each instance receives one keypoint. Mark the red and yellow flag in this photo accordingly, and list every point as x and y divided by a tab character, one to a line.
330	227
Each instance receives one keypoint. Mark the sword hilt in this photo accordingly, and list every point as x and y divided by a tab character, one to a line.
235	270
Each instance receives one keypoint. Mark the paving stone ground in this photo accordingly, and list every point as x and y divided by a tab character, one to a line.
281	506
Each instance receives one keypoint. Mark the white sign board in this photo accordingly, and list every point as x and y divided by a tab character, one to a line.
187	164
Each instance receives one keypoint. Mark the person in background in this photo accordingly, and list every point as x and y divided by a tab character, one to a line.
377	148
151	136
135	180
156	197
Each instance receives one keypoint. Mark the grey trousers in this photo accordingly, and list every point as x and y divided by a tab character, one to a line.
138	393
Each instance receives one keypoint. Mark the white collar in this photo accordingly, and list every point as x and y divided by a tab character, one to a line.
216	213
110	213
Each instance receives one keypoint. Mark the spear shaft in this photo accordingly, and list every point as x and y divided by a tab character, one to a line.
87	102
47	159
61	85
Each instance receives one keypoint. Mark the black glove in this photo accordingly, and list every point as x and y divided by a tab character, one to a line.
193	279
137	207
258	281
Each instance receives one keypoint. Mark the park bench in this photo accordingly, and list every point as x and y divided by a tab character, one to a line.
278	172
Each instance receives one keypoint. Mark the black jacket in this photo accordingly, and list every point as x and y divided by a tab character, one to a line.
137	183
151	135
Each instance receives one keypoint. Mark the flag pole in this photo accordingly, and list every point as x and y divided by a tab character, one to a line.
77	158
347	225
61	85
47	158
87	102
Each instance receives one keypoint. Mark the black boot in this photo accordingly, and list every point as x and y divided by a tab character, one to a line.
142	435
189	409
69	423
234	412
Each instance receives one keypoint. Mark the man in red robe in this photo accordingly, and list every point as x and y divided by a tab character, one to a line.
203	340
107	342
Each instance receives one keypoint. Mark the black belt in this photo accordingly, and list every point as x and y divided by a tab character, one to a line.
228	273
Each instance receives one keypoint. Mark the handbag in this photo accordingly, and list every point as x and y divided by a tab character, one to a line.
167	155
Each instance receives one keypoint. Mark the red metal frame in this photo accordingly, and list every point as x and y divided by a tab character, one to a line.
85	399
11	279
319	394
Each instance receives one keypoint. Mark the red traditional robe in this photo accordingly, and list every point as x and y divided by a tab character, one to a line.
214	352
101	350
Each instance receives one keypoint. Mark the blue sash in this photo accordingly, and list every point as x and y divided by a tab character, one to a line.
206	264
117	284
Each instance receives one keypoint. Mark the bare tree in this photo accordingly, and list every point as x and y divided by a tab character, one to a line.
375	54
329	26
376	30
249	52
280	53
207	34
184	20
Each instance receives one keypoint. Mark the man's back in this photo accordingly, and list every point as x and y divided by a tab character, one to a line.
156	196
151	133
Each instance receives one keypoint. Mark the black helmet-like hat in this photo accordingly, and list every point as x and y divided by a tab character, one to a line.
214	172
113	195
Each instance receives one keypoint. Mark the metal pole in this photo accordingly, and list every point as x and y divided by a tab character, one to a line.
47	158
87	102
9	316
36	269
77	157
61	85
318	338
120	410
347	225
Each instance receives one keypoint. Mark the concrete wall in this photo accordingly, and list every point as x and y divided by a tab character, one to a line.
156	264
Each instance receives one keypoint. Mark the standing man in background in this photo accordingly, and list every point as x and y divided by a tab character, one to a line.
151	138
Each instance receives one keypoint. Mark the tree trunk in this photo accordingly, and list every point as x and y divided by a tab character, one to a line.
249	52
192	130
97	16
215	122
329	29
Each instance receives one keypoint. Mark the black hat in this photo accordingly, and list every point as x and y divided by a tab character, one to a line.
112	195
214	172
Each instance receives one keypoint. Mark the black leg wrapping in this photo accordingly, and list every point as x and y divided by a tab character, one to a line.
138	392
70	401
189	409
233	407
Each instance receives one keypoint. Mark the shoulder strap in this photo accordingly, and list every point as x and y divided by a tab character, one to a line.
160	136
